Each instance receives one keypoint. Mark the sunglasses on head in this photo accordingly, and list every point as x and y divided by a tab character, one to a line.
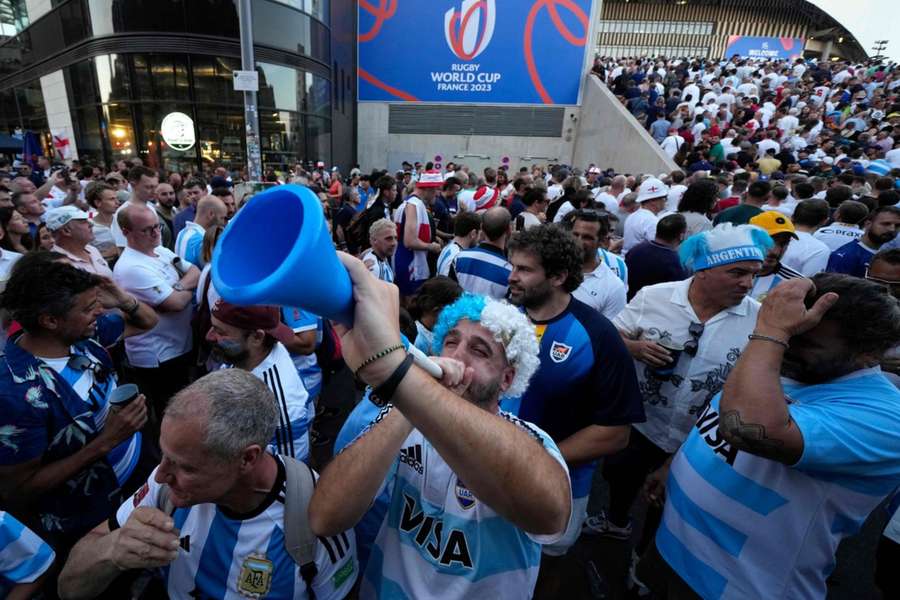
692	345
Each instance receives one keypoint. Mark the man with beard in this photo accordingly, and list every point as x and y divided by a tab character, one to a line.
685	337
585	393
792	456
853	258
252	338
470	491
165	208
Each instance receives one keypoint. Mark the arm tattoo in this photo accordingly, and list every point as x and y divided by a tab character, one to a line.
752	438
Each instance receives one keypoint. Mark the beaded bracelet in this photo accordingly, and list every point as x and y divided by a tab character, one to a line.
765	338
377	356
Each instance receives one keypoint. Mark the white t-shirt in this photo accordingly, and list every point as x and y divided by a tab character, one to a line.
466	200
150	279
610	203
674	197
806	255
554	191
664	313
602	291
640	226
671	145
529	220
7	260
565	209
837	234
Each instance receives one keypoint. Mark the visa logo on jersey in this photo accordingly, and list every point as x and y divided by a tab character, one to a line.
469	30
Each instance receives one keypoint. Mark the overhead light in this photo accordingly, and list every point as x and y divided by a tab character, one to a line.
841	40
118	133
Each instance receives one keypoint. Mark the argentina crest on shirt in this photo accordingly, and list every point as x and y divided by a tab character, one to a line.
464	496
255	577
559	352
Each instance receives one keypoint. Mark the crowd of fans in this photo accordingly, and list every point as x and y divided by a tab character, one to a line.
719	344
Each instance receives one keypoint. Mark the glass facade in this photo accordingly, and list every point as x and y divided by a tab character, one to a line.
676	27
119	95
128	95
625	51
13	17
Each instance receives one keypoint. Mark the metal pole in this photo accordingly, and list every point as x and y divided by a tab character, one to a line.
251	116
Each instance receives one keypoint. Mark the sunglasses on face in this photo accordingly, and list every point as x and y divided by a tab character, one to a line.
692	345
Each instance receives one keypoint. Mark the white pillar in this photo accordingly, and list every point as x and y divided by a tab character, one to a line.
56	102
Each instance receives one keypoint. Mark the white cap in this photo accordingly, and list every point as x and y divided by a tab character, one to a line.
651	189
57	218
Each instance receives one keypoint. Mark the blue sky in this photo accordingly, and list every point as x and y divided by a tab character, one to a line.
868	20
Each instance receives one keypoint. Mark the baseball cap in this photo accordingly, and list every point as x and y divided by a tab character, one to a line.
774	223
595	170
59	217
251	318
320	164
651	189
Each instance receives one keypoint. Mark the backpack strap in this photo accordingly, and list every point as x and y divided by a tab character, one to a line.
299	540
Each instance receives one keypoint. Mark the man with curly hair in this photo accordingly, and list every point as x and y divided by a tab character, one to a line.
585	393
466	493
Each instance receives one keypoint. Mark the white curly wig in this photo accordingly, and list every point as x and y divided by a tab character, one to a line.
509	327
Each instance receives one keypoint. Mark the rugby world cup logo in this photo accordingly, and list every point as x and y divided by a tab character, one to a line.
469	30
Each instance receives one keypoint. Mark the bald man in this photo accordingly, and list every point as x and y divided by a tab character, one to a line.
161	358
484	269
211	212
609	199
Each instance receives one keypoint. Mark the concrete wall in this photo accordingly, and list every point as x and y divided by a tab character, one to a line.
610	137
601	131
380	149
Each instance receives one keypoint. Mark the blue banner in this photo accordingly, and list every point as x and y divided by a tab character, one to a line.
771	48
473	51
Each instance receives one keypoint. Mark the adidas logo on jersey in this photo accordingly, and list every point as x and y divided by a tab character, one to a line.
412	456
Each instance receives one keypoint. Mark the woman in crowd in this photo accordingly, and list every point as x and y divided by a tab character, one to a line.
15	231
696	204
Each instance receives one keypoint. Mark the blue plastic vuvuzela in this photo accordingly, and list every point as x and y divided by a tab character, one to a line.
277	250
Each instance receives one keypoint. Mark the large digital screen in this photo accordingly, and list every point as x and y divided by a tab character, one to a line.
764	47
473	51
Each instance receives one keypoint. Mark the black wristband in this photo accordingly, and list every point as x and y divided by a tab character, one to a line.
385	392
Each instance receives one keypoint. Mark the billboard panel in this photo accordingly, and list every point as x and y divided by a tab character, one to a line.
764	47
473	51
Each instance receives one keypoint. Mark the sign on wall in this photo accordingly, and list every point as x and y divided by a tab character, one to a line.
764	47
177	131
478	51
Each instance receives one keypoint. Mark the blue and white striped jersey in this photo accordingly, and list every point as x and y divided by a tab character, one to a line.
93	385
307	364
295	406
189	243
381	269
740	526
437	535
225	556
446	258
616	263
483	270
23	555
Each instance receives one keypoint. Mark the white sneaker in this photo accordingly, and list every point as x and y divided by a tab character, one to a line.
600	525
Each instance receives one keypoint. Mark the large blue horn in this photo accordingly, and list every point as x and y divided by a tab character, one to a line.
277	250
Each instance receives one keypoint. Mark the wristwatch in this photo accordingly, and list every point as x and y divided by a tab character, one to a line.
178	287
